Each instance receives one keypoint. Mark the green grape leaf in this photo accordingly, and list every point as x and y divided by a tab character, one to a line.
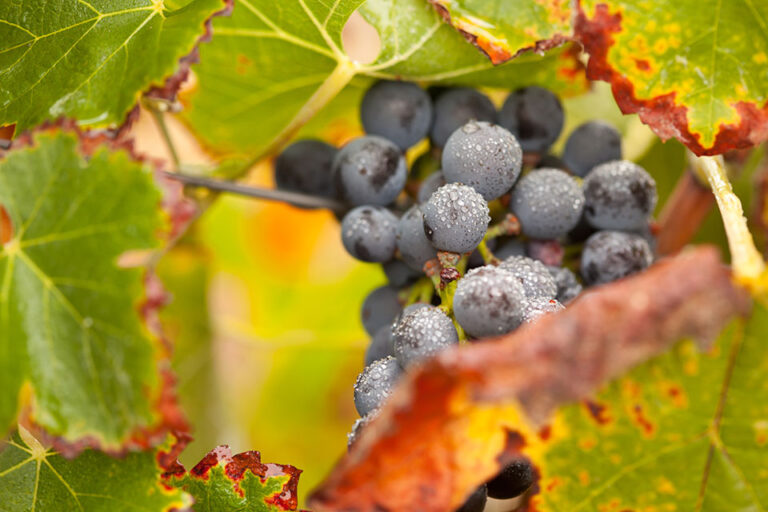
71	330
687	431
456	420
696	70
228	483
281	62
513	27
35	477
90	60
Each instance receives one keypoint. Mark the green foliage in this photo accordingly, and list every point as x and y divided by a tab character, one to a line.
69	321
64	59
283	62
687	431
33	477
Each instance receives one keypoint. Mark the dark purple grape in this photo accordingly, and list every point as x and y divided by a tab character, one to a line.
369	233
369	170
484	156
305	167
421	333
512	481
398	111
489	301
380	346
415	248
455	107
611	255
590	145
535	117
375	383
380	308
619	195
399	274
455	218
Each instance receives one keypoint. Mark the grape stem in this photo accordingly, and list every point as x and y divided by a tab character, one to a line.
159	115
293	198
748	265
487	254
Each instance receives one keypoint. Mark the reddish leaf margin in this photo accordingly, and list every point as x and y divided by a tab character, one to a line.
661	114
180	211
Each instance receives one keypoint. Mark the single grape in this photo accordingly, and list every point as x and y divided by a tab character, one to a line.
512	481
536	308
476	501
410	308
399	274
369	233
305	167
369	170
357	427
534	276
568	287
415	248
398	111
591	144
619	195
484	156
510	247
611	255
456	218
547	203
375	383
380	308
380	346
534	115
489	301
429	185
455	107
421	333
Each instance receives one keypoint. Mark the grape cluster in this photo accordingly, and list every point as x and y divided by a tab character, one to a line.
487	231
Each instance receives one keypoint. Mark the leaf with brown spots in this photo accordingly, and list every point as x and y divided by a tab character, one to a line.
514	27
696	70
224	482
456	420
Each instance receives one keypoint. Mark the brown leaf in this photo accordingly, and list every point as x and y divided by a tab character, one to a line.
457	419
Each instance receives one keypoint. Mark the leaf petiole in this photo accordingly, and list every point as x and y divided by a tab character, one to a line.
748	264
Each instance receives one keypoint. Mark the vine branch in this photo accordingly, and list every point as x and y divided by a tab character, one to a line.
293	198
